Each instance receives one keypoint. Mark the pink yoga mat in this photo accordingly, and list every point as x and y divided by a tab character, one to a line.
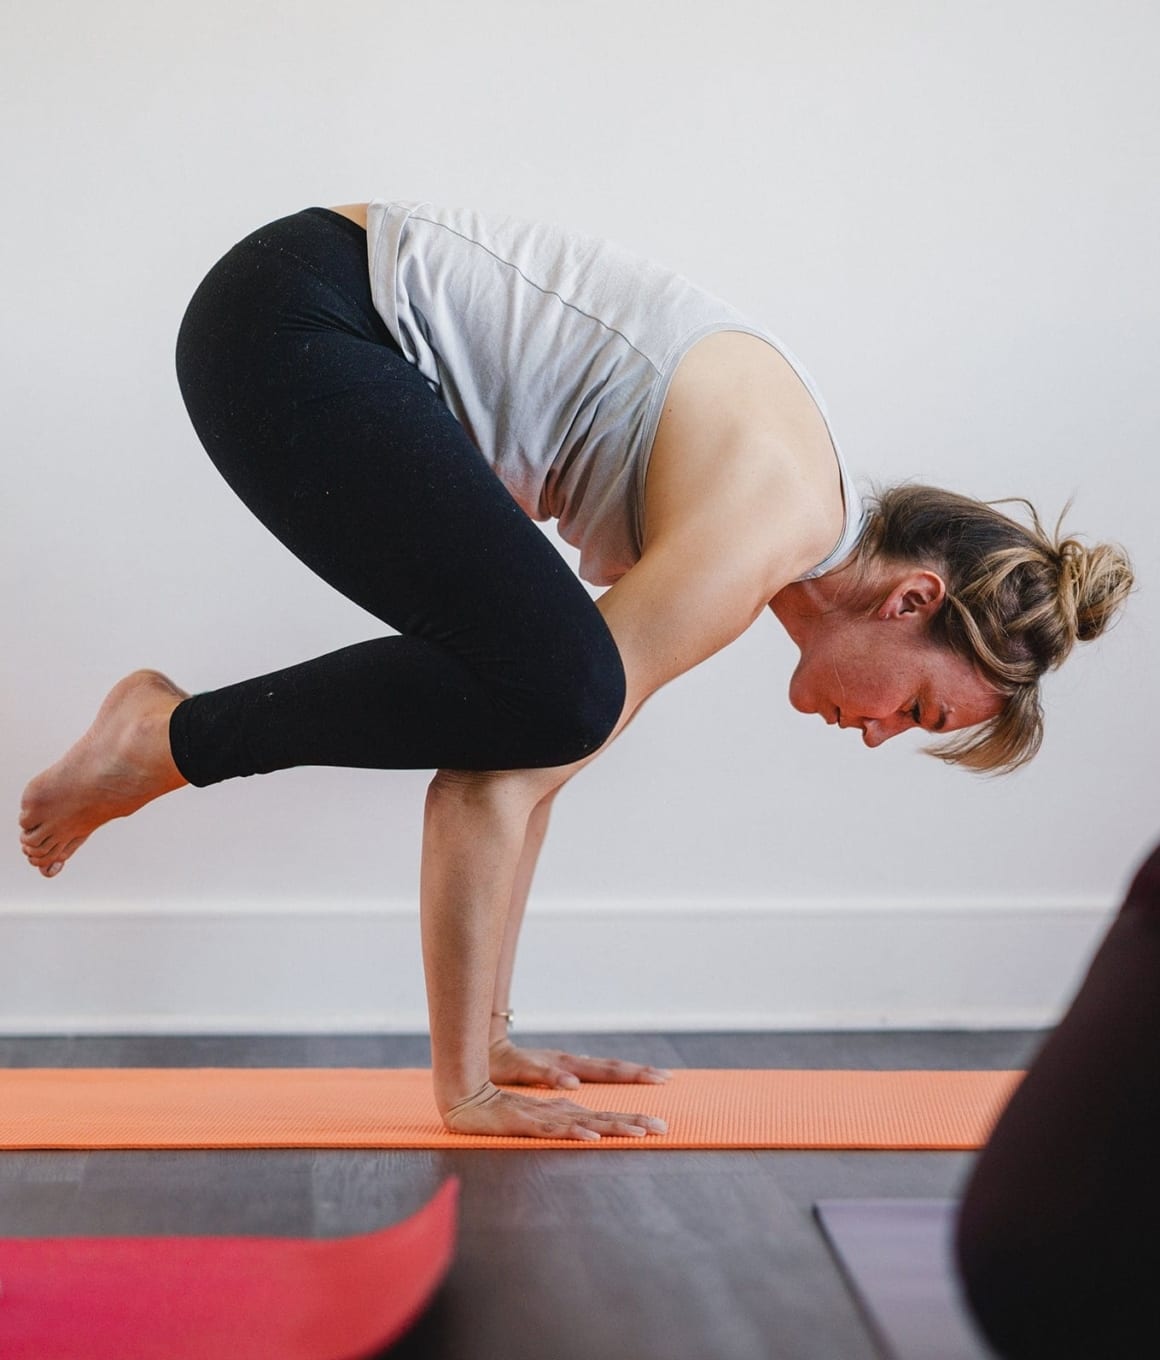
222	1298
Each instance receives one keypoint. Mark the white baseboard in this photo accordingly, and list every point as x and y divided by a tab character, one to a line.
354	967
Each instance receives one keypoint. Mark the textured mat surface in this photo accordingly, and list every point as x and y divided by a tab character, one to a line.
217	1107
897	1257
222	1298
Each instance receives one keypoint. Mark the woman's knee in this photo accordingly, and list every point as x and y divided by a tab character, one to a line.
576	713
566	699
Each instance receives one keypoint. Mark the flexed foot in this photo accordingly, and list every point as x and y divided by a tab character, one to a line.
121	763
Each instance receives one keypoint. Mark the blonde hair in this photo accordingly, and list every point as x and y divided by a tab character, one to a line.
1017	601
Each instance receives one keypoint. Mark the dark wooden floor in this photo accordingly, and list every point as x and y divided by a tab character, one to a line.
584	1255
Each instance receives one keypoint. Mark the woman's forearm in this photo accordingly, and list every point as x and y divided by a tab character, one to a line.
474	832
514	1064
537	829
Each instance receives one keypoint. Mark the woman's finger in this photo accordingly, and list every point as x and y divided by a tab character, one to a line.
624	1128
531	1117
575	1129
647	1122
592	1129
558	1077
603	1118
614	1069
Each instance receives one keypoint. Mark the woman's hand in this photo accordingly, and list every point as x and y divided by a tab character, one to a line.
511	1115
512	1066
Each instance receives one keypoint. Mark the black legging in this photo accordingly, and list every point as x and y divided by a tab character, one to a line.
338	445
1059	1233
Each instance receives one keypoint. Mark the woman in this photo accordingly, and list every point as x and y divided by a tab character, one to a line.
397	390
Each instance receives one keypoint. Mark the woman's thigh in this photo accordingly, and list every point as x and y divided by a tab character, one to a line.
339	446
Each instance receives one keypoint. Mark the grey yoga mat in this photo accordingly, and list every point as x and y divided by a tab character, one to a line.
896	1255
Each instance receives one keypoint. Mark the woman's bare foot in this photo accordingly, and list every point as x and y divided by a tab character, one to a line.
121	763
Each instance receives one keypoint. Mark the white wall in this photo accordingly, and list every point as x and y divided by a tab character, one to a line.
949	212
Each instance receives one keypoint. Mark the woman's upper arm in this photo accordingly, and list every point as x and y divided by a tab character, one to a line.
683	601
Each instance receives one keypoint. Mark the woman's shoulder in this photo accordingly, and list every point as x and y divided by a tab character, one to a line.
742	440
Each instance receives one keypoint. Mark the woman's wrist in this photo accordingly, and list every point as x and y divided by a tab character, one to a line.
488	1091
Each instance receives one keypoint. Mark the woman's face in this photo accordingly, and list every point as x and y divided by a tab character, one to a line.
882	675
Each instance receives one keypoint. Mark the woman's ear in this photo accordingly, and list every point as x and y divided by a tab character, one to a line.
918	593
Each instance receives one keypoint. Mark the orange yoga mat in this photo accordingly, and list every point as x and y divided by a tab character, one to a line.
338	1107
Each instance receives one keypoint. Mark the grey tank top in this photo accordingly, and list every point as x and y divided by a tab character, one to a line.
554	351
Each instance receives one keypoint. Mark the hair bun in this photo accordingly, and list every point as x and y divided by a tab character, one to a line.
1093	584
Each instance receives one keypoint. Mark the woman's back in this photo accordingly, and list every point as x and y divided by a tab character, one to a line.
554	350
